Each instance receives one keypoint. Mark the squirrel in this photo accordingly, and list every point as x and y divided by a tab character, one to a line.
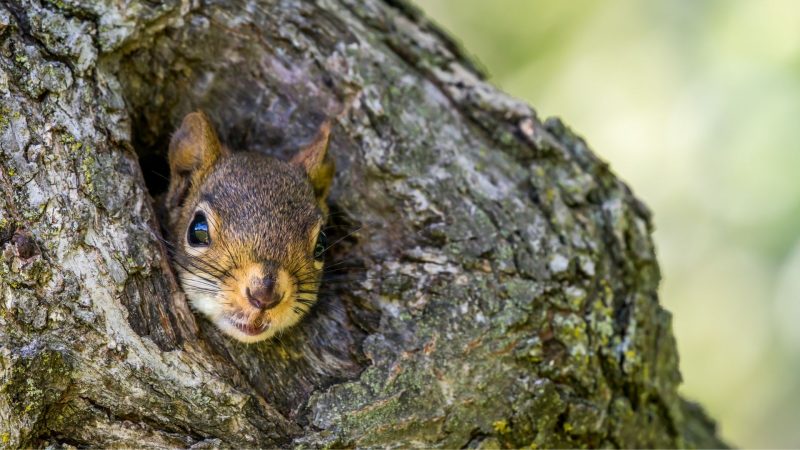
245	229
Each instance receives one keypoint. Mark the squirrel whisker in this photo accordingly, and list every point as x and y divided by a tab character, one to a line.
342	238
193	264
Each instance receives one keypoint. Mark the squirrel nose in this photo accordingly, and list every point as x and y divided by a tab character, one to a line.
263	296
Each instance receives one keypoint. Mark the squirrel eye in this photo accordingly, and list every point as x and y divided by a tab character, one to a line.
198	231
320	246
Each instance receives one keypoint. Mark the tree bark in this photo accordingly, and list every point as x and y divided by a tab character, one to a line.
494	283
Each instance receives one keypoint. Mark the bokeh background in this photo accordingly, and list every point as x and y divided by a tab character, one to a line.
696	104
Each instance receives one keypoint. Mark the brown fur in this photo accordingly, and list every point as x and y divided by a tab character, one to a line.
264	216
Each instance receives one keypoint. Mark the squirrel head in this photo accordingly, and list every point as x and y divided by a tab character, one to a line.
246	229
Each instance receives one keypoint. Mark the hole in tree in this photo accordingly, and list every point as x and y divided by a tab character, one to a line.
324	334
155	169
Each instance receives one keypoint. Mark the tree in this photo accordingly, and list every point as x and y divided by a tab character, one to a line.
494	283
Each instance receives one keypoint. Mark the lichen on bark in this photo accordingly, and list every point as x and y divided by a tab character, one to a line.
500	282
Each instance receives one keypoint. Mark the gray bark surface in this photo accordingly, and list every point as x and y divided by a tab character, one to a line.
494	285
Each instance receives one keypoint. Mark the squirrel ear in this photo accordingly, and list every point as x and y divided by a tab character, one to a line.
193	150
319	166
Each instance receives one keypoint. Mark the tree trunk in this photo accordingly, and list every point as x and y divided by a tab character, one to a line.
494	284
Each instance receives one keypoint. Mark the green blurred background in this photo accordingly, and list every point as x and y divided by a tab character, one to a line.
696	104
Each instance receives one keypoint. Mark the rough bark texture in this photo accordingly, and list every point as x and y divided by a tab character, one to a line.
497	284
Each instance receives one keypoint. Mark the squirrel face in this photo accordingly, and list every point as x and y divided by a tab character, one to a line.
246	229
